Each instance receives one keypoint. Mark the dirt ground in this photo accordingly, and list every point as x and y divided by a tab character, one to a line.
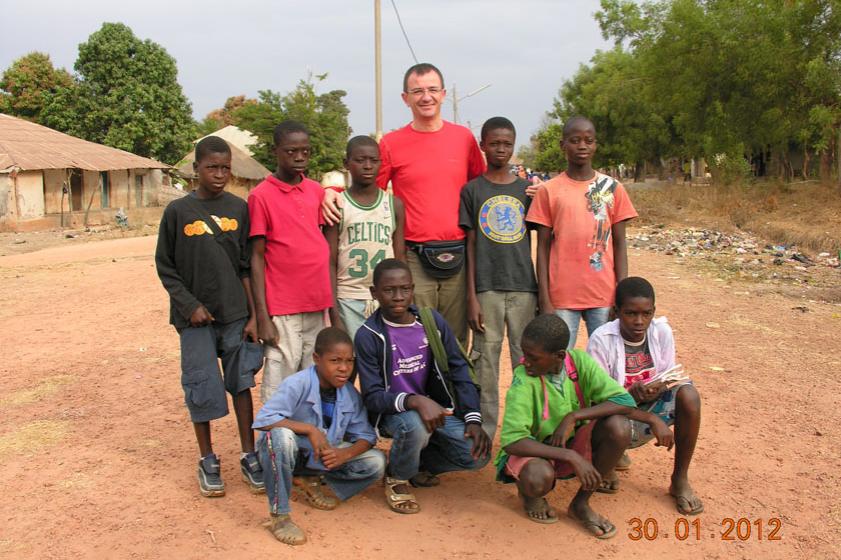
97	457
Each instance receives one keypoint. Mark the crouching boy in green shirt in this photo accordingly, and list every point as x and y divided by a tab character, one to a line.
564	417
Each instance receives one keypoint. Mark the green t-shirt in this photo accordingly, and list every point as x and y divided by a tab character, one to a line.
524	401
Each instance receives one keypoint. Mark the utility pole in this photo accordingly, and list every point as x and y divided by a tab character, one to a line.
378	71
455	104
456	99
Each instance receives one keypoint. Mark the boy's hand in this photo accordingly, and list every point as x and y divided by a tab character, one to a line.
201	317
637	391
532	189
481	441
563	432
319	443
587	474
474	315
335	457
250	330
331	207
654	390
431	413
665	437
267	332
546	306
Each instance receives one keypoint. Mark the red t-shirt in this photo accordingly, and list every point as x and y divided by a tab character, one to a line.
427	171
297	254
581	215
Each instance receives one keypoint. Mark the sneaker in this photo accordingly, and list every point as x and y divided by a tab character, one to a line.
252	473
210	479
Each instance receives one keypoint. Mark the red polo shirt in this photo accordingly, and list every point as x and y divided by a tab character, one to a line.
297	255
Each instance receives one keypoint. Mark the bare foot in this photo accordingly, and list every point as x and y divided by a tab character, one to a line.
687	502
598	526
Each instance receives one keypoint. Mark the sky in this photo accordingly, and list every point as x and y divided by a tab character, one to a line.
524	49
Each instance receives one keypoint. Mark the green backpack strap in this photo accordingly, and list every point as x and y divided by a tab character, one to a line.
439	354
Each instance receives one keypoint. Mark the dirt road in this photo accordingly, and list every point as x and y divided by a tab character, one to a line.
97	458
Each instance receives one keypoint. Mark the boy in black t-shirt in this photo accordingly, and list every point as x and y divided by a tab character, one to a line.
501	285
203	262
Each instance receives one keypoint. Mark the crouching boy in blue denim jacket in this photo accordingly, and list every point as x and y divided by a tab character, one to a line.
316	431
432	415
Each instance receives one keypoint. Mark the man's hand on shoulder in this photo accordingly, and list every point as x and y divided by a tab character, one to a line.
331	207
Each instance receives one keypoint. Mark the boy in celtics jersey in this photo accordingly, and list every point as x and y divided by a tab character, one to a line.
370	230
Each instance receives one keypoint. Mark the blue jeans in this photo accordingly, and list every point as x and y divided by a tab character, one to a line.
413	449
593	318
282	458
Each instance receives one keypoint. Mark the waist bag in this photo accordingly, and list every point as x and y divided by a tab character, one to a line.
440	259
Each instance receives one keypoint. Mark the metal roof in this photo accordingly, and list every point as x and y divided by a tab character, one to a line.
27	146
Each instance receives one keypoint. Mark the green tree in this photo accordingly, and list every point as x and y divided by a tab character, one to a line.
325	115
31	85
129	96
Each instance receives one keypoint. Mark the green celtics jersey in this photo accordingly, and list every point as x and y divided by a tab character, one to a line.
364	240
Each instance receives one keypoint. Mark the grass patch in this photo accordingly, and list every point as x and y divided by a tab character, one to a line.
46	387
804	214
32	437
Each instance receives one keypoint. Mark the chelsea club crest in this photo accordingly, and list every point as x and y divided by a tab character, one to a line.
502	219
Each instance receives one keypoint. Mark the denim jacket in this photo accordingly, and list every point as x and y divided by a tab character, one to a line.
298	398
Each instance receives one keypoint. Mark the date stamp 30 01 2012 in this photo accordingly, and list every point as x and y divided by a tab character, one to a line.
727	529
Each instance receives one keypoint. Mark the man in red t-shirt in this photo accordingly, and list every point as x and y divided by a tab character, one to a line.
427	162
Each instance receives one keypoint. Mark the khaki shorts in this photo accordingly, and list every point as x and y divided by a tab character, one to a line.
296	342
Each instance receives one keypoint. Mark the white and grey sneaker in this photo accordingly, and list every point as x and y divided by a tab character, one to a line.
210	478
252	473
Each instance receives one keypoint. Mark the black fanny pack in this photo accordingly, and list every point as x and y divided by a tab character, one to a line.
440	259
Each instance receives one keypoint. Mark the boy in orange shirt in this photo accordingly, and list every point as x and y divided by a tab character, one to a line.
580	218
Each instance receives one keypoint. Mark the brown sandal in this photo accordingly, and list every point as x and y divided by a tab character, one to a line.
285	530
395	500
310	487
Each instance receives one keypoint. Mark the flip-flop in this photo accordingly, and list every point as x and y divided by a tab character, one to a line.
314	494
396	499
551	515
609	486
594	528
424	479
285	530
684	505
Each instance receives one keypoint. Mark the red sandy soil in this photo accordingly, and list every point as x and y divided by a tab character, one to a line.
97	457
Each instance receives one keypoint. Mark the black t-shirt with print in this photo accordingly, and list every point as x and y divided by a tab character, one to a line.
503	243
195	267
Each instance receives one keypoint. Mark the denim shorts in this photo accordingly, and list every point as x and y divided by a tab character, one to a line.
664	407
201	350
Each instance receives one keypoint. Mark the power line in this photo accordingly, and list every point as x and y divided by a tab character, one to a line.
404	31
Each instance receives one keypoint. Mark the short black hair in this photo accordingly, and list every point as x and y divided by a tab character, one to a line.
495	123
572	121
421	69
360	140
549	331
288	127
389	264
632	287
329	337
211	145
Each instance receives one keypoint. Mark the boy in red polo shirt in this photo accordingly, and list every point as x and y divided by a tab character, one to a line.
290	262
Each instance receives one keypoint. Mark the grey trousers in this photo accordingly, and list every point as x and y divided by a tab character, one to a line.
513	310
